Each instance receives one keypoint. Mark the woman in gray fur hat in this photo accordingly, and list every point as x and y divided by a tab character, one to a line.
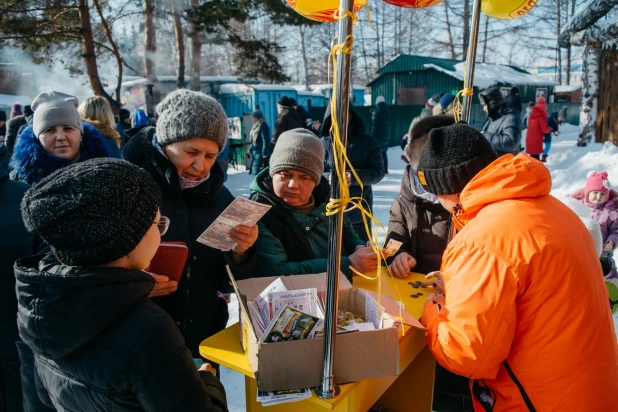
180	154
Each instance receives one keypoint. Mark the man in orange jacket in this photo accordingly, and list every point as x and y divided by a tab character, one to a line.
525	311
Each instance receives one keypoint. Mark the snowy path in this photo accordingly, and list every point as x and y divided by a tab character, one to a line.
568	164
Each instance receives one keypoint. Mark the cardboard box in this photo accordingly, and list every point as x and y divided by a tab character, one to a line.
298	364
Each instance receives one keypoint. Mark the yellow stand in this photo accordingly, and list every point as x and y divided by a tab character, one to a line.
411	391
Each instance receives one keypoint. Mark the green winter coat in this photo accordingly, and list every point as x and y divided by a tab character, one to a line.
273	259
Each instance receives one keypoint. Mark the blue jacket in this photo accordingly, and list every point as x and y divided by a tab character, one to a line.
31	163
101	345
552	121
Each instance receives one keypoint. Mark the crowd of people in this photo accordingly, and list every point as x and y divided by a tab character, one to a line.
521	319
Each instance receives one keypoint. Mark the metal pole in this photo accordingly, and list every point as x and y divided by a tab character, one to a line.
471	59
328	389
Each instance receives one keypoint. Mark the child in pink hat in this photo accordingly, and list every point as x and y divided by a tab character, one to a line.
598	195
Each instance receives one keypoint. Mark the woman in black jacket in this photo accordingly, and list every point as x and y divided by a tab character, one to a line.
99	343
180	155
365	155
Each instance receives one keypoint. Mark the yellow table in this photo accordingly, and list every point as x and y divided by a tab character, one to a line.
411	391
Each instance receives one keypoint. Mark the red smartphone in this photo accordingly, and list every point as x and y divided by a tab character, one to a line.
170	260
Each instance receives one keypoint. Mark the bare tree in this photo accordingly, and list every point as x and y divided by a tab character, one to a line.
196	53
450	43
150	40
303	51
180	43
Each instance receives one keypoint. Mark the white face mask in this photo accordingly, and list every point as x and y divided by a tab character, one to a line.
418	190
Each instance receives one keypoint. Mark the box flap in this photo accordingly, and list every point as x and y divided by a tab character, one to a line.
254	286
395	311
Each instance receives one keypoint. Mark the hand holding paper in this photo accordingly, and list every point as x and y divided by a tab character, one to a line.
226	232
244	236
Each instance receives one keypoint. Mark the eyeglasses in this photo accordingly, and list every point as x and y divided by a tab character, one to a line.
162	224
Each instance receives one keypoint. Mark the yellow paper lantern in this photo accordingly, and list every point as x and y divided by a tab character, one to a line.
320	10
507	9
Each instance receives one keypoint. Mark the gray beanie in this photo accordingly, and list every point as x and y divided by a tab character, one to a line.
298	149
53	109
92	212
185	114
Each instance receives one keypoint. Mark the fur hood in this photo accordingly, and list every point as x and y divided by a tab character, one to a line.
612	200
413	151
105	130
31	163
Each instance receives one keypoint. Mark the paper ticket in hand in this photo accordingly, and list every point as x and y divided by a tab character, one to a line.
240	212
391	248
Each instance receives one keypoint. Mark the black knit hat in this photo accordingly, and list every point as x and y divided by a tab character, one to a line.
2	116
28	110
284	102
451	157
92	212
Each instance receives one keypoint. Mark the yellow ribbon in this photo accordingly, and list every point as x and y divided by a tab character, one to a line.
346	203
466	91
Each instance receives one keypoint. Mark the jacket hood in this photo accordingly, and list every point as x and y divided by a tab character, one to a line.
493	98
31	163
263	185
140	151
140	118
61	308
509	177
539	111
541	104
355	128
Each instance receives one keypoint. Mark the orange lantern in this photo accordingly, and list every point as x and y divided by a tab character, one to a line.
415	4
507	9
321	10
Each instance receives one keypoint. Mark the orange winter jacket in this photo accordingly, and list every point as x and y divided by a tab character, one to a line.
526	313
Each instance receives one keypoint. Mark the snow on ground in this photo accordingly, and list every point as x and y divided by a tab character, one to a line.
568	164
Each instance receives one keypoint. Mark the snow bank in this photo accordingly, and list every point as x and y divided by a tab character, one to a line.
567	89
487	75
232	88
9	99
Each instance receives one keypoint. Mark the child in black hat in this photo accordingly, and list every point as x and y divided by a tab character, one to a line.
99	342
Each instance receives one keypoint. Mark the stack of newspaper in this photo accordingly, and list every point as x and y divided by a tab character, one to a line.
279	314
276	398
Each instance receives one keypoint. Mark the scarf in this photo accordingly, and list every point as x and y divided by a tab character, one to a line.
183	181
418	190
305	209
255	130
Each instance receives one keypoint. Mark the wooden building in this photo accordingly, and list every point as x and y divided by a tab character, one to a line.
412	80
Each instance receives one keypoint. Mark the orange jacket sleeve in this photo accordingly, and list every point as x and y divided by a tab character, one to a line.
472	332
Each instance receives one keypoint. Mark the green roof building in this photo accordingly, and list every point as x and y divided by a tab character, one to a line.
412	80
